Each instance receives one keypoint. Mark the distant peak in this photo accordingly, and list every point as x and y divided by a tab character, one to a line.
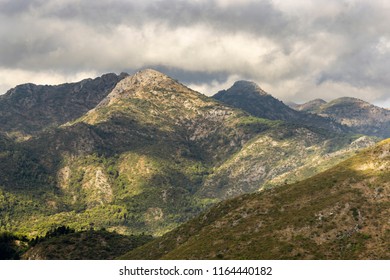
248	86
314	102
318	100
349	99
243	83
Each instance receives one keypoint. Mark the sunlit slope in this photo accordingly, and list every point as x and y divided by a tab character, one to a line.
342	213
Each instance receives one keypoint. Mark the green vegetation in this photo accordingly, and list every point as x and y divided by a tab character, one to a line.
257	125
63	243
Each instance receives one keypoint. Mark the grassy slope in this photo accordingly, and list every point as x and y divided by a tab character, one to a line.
341	213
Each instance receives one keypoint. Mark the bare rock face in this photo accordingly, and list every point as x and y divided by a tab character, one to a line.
153	86
145	80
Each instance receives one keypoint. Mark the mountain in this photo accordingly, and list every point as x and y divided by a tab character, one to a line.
310	107
341	213
151	155
131	164
28	109
250	97
357	114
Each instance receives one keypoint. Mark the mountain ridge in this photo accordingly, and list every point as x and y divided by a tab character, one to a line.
359	115
310	106
152	154
28	109
249	97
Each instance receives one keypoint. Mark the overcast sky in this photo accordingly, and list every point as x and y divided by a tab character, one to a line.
295	50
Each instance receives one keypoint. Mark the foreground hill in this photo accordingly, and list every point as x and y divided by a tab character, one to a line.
85	245
151	155
357	114
339	214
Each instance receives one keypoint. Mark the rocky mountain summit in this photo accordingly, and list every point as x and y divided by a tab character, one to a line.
310	107
357	114
251	98
146	81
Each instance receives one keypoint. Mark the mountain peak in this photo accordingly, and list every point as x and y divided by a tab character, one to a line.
249	97
360	115
310	107
319	101
153	86
144	80
247	87
150	74
348	100
146	77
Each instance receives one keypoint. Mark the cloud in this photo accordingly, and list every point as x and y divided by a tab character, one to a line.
294	49
11	77
213	86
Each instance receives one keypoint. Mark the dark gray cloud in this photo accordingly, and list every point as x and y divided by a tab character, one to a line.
16	7
296	50
257	17
362	61
189	77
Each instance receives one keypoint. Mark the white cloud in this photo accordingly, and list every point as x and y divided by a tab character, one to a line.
383	45
11	77
214	86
